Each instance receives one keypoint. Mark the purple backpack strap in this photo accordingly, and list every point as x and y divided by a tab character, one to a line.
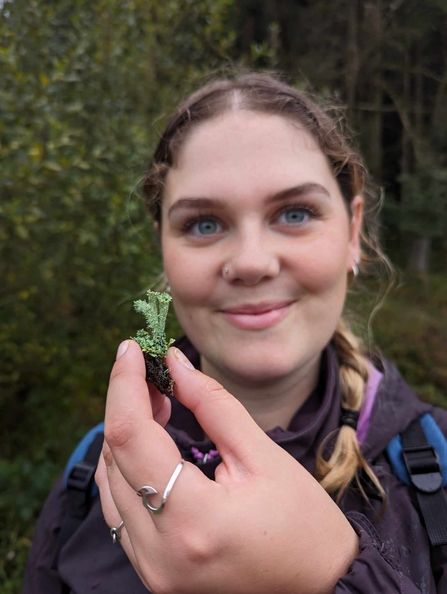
371	389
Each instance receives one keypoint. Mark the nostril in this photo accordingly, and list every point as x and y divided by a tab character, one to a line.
251	266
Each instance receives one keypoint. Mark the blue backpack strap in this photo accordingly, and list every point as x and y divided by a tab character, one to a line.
419	458
78	481
435	438
79	454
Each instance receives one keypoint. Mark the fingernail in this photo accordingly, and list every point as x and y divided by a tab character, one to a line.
180	357
122	349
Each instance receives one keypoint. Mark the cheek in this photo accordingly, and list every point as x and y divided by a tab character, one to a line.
324	264
192	278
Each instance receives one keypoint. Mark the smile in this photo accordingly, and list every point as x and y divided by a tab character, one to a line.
257	317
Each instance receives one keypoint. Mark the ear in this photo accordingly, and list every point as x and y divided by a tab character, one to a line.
355	227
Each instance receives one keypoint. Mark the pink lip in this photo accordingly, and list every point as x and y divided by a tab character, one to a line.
257	316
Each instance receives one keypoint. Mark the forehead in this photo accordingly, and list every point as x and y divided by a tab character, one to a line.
243	151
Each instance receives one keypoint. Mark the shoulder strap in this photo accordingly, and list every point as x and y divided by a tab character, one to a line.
79	482
418	457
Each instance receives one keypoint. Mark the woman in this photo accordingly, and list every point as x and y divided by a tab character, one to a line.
259	204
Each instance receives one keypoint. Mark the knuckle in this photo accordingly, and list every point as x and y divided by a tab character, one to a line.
100	476
108	457
119	372
215	390
119	431
196	548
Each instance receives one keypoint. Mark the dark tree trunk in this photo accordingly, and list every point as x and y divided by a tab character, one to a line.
352	55
377	116
406	166
419	255
420	247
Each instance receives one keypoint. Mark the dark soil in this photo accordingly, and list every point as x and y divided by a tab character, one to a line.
158	373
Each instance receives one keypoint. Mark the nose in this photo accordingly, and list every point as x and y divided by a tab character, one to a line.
252	258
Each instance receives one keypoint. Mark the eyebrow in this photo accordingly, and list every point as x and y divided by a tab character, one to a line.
295	191
197	203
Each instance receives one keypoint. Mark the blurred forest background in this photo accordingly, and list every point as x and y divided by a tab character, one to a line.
85	86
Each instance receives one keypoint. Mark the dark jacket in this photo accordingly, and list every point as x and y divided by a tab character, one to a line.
394	548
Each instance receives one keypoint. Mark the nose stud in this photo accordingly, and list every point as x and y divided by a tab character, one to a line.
226	270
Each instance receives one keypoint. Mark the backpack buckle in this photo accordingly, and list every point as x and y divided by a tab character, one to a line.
80	477
423	466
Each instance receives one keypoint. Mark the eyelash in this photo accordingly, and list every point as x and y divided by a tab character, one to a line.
303	207
186	228
190	224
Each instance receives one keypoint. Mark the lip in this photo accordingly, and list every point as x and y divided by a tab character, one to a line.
258	316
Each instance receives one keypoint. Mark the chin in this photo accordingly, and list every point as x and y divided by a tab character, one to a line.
262	369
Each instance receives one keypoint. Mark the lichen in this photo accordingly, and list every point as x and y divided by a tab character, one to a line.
152	340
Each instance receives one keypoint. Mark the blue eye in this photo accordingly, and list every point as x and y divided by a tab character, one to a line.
205	227
293	216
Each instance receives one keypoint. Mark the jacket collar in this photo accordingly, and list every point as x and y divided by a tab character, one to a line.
317	417
395	406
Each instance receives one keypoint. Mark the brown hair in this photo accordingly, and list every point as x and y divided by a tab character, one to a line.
266	94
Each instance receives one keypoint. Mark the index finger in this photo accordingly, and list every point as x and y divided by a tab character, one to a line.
142	449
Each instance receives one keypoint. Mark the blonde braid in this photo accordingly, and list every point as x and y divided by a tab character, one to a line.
346	461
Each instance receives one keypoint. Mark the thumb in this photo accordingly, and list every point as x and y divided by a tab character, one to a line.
221	415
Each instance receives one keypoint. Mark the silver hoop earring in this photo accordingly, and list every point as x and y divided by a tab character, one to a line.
167	286
355	269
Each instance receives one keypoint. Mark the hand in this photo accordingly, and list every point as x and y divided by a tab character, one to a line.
264	525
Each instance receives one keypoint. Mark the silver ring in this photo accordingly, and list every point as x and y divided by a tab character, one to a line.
147	491
355	269
115	532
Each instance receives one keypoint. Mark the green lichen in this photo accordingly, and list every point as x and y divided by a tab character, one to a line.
152	340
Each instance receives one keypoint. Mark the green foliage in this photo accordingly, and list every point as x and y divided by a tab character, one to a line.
79	96
20	476
83	88
155	310
410	328
424	202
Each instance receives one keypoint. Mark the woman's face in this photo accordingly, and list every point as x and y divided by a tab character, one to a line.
257	245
